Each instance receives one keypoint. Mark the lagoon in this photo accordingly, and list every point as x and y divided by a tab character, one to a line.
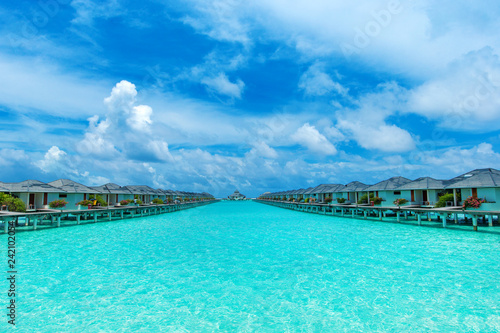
245	266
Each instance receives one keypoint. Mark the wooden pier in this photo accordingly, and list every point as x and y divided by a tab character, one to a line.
50	218
443	216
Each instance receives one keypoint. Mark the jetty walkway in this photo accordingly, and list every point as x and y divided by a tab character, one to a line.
444	216
53	218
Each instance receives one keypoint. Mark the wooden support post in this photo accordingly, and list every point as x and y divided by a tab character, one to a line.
353	212
109	216
78	219
443	218
95	217
380	214
27	221
455	218
35	220
490	220
58	221
5	226
398	216
474	222
419	219
429	216
121	214
364	214
342	209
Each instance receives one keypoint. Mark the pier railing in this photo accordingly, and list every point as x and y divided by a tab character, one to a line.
445	215
49	218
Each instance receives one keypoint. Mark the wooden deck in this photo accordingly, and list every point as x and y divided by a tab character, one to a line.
445	216
50	218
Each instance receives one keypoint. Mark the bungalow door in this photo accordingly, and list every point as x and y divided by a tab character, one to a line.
32	201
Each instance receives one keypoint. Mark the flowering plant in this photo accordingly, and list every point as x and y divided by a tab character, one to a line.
340	200
58	203
472	202
125	202
400	201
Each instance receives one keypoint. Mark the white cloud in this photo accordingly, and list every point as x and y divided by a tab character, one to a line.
53	160
140	118
97	140
123	97
221	85
459	160
261	149
466	96
316	82
308	136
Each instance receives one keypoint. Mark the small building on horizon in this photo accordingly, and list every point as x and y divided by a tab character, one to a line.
236	196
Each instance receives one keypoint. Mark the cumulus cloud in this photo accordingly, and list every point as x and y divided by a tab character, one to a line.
261	149
96	140
308	136
52	160
140	118
316	82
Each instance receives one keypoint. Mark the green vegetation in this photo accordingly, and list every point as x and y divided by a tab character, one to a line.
84	202
125	202
328	200
13	204
377	200
306	200
61	203
157	201
138	201
340	200
442	200
99	199
400	201
364	198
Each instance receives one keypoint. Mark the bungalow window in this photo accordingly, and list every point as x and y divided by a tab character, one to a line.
474	192
397	192
62	195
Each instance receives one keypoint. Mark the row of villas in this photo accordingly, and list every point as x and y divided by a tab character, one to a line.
38	195
424	191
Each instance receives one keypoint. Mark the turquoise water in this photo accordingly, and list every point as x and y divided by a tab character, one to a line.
248	267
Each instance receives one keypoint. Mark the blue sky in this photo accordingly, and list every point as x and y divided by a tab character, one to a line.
256	96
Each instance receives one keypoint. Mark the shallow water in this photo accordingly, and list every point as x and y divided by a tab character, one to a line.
244	266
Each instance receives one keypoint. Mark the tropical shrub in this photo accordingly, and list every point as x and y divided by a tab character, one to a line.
157	201
306	200
442	200
340	200
84	203
376	200
61	203
472	202
400	201
138	201
125	202
328	199
99	199
13	204
364	198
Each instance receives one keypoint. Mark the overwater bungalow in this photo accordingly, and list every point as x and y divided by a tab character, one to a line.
351	192
34	193
479	183
388	190
143	192
73	192
422	191
236	196
113	193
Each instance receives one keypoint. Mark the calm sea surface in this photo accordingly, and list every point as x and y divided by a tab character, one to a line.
249	267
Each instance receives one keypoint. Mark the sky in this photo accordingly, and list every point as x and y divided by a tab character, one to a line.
250	95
